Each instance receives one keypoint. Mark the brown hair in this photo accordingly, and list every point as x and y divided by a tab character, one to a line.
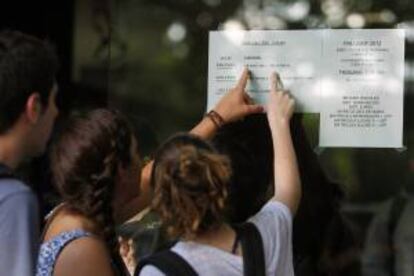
190	184
27	64
84	162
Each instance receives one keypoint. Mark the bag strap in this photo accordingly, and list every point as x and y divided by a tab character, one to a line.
49	219
173	264
396	211
253	252
169	262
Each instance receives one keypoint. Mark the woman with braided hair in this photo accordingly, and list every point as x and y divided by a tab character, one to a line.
191	179
97	171
96	168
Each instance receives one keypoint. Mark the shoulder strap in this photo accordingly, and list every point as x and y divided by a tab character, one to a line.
50	250
396	210
169	262
253	252
49	218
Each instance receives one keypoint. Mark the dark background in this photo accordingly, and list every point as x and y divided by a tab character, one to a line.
162	83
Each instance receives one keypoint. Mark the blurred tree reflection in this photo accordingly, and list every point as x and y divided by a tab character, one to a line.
159	63
162	74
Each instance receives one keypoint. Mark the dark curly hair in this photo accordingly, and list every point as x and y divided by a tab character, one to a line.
190	182
27	65
84	166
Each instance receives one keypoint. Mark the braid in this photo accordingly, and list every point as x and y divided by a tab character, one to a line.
96	204
86	163
101	209
103	187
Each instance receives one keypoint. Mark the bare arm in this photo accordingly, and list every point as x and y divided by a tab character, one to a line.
235	105
84	257
287	181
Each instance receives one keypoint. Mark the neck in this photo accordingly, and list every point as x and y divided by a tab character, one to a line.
65	218
221	237
11	151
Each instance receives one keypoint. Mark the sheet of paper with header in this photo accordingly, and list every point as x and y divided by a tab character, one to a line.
353	78
362	89
295	55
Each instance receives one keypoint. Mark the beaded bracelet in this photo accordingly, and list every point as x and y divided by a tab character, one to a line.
216	118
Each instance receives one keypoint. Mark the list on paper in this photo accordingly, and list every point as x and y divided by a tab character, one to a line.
295	55
353	78
362	89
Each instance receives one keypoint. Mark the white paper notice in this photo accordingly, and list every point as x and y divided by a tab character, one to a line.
354	78
295	55
362	89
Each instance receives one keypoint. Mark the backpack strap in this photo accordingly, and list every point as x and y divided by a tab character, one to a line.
173	264
396	211
169	262
253	252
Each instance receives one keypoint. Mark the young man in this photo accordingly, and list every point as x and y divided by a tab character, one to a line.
27	113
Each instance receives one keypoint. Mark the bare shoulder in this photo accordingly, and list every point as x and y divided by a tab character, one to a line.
84	256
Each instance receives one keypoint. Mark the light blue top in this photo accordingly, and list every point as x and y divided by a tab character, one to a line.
19	228
50	250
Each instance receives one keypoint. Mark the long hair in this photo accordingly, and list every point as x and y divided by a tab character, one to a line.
84	164
248	144
190	182
318	221
323	239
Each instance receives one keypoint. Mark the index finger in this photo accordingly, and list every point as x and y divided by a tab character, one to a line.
243	79
275	82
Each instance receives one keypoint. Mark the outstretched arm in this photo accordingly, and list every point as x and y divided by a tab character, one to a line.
286	174
235	105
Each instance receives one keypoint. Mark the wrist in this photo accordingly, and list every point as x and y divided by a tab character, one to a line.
216	118
280	125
